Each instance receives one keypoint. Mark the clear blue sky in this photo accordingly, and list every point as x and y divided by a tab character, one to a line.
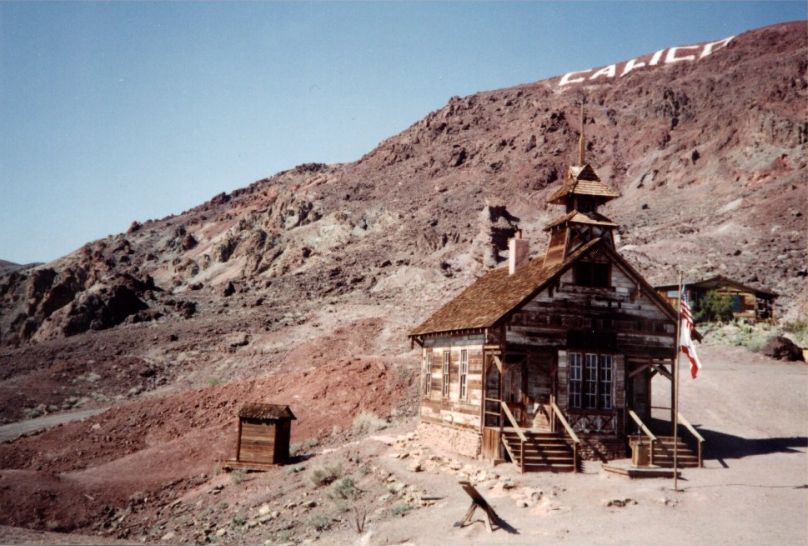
113	112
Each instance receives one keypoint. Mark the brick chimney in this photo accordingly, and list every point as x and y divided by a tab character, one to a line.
518	250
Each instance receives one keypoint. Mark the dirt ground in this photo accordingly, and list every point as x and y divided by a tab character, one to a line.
753	488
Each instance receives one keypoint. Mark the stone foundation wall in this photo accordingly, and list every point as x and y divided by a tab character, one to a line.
448	438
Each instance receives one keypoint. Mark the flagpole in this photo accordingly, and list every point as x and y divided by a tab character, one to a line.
676	388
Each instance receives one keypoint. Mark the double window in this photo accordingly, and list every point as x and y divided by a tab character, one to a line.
590	381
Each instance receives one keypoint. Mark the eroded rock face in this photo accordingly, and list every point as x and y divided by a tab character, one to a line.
103	309
442	197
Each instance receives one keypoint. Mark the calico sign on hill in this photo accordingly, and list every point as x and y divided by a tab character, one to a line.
688	53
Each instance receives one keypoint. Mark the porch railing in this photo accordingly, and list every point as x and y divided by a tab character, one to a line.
646	431
574	437
696	435
522	438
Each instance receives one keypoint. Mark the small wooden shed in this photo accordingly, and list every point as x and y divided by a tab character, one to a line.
263	436
748	303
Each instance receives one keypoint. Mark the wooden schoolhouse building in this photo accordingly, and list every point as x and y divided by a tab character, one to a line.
550	359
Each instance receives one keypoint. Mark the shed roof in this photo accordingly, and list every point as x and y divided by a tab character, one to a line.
274	412
717	281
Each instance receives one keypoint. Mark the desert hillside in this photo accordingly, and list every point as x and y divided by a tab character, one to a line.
301	287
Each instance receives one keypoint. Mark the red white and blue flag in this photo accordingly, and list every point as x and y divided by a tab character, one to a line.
687	331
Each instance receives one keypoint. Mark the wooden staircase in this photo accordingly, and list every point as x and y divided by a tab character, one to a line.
543	451
663	453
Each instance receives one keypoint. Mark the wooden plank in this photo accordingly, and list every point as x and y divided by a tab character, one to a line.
499	364
246	465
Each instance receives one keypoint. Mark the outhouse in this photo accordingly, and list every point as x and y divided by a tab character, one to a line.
263	435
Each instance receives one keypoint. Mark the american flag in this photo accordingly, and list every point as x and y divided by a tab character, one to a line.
686	334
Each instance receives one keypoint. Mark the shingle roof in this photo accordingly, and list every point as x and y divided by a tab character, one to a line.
266	411
592	218
582	180
493	295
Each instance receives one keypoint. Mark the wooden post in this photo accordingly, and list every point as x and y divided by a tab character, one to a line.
675	401
522	456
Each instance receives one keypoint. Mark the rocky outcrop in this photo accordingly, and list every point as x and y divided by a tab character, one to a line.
496	226
782	348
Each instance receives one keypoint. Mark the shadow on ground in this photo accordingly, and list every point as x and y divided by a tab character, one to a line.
720	445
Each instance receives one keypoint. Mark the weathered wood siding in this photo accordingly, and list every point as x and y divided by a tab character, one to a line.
257	443
264	442
452	409
637	324
620	320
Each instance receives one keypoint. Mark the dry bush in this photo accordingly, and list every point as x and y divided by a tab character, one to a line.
326	475
367	421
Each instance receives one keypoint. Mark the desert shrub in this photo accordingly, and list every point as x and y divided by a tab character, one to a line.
400	509
214	381
237	476
294	448
715	306
297	448
283	536
749	336
367	421
798	330
344	489
320	522
360	517
326	475
754	336
238	521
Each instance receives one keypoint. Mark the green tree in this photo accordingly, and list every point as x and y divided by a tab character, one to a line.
715	306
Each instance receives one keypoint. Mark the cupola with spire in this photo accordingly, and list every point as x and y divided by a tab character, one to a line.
581	193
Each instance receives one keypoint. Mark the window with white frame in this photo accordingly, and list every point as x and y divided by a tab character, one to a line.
427	374
446	357
464	370
605	381
590	381
576	373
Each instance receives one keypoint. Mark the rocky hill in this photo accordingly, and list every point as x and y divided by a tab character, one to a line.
709	156
323	269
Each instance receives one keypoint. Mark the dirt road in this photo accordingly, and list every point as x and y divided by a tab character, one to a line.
15	430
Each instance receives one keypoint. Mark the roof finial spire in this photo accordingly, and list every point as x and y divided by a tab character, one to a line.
582	141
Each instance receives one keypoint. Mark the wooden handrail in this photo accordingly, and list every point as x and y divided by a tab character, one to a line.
689	427
564	422
640	424
695	433
512	419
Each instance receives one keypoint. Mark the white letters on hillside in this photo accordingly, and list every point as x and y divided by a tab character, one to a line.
677	54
